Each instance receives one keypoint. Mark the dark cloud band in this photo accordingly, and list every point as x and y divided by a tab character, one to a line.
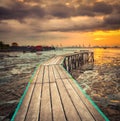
110	13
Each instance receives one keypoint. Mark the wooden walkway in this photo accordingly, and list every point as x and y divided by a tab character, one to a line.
54	96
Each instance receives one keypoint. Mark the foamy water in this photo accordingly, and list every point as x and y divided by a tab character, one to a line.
17	65
102	81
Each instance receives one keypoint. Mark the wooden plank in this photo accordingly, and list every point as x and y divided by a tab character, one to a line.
61	72
83	112
57	76
46	78
45	112
51	74
39	76
49	61
70	111
55	61
58	113
80	106
90	107
24	107
33	110
52	61
60	60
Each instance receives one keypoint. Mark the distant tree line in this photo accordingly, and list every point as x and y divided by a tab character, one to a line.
4	46
15	47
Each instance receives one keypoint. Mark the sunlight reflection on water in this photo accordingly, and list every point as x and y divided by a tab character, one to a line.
106	56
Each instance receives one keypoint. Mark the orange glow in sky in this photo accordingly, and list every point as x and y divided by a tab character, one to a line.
97	38
108	38
60	22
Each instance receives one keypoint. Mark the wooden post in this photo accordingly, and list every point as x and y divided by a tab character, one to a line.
69	67
64	63
74	61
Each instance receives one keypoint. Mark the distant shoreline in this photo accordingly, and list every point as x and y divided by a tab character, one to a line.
32	51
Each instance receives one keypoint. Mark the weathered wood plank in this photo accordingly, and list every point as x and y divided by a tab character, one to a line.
46	78
49	61
83	111
90	107
45	112
61	72
81	108
57	76
51	74
70	111
60	60
55	60
24	107
33	110
39	75
58	113
86	102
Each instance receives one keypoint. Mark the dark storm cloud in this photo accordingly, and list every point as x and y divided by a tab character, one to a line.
60	11
98	8
112	21
102	7
63	11
110	14
116	8
20	11
84	10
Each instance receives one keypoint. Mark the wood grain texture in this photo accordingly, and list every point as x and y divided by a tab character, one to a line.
78	103
25	104
45	112
90	107
69	108
51	74
58	113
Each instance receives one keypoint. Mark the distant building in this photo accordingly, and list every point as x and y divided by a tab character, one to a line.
38	48
14	44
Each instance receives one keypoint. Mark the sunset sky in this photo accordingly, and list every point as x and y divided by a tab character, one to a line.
60	22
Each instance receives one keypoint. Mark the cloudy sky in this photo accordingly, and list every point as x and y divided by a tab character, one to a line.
60	22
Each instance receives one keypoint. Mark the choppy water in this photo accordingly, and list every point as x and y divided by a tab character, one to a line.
18	65
105	68
102	81
15	65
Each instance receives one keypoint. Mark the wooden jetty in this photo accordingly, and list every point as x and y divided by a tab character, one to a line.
53	95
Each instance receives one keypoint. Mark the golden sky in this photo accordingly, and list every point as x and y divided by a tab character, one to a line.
60	22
